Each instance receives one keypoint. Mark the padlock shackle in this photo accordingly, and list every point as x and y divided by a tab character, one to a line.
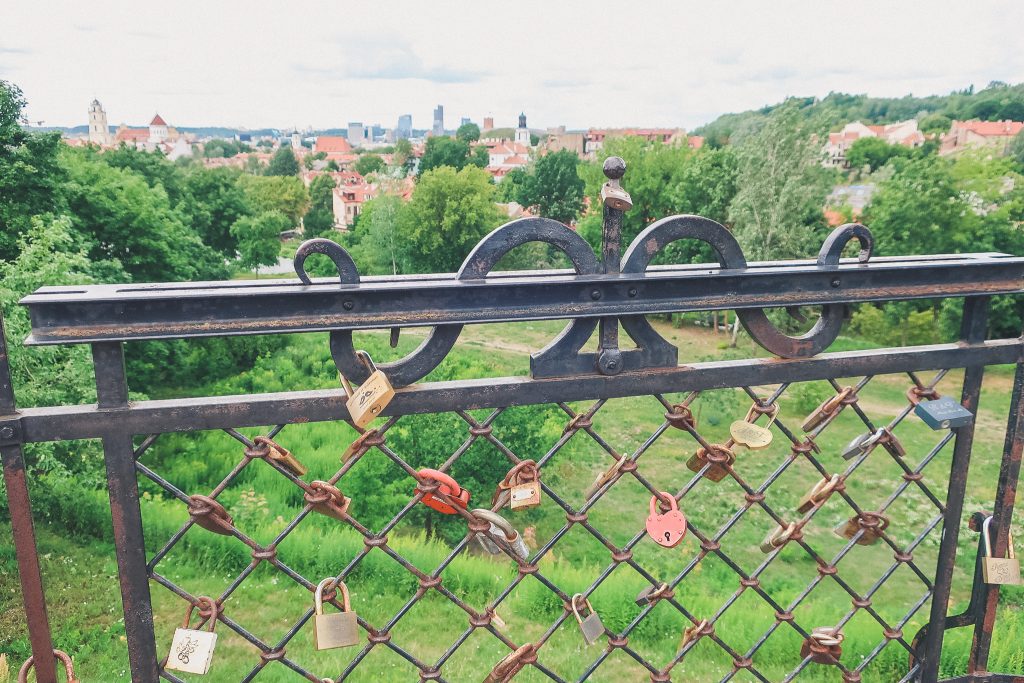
318	595
63	657
915	394
441	478
575	609
364	357
346	385
272	445
1010	555
525	468
497	520
824	487
771	410
211	606
664	499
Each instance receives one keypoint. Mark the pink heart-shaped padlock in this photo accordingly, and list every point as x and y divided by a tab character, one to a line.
666	529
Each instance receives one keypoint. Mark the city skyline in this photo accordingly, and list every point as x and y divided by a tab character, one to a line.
661	64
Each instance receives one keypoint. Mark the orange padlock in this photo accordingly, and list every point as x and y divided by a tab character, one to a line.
448	487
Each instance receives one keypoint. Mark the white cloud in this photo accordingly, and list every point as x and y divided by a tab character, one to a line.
571	62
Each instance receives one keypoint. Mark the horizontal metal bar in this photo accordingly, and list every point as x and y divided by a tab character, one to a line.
218	412
175	310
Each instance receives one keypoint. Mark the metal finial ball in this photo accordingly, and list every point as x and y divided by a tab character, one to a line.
614	168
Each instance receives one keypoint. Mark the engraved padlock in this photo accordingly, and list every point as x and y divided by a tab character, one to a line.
366	403
590	624
192	649
719	457
667	528
940	412
820	492
1000	571
337	629
500	529
281	455
755	437
828	409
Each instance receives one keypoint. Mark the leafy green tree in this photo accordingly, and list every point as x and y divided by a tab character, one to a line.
213	200
479	157
444	151
218	148
379	246
283	163
449	213
510	187
874	153
468	132
1017	150
934	123
152	166
259	240
30	171
284	194
554	187
369	163
319	219
402	156
777	211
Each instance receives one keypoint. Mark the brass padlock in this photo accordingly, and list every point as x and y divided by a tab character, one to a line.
328	500
590	624
282	456
651	594
338	629
605	477
824	646
692	633
999	571
754	436
822	489
828	409
720	458
614	197
872	523
372	396
777	538
520	488
192	649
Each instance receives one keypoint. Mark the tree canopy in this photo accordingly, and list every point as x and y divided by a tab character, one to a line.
283	163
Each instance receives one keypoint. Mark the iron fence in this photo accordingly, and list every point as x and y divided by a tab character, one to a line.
599	296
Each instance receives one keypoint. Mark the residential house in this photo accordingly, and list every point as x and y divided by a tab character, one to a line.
996	135
903	133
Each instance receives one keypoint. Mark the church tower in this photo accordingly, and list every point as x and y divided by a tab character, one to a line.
99	133
157	130
522	132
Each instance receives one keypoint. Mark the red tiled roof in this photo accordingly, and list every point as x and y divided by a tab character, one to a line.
133	134
991	128
332	144
157	121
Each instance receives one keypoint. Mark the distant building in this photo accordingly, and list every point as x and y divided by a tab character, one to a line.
488	123
438	127
404	128
900	133
356	133
331	145
464	121
296	140
522	132
99	131
158	136
595	137
996	135
574	142
503	157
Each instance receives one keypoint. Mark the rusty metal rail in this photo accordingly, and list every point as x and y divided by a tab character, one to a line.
600	294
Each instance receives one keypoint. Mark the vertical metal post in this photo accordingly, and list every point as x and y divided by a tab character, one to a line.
1002	514
112	393
609	359
973	327
33	595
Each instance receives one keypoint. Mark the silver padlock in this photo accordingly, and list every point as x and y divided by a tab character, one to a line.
590	624
500	529
192	649
941	412
338	629
999	571
862	443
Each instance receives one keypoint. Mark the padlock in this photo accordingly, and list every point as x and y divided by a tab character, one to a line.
1000	571
61	656
828	409
940	412
668	528
590	624
651	594
777	538
872	523
360	445
613	196
505	670
889	442
210	515
719	457
862	443
754	436
282	456
824	646
822	489
372	396
606	476
520	488
692	633
328	500
448	487
192	649
500	529
337	629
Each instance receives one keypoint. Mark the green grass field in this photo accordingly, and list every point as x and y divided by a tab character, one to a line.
81	573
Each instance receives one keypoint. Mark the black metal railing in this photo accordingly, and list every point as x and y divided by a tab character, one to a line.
598	296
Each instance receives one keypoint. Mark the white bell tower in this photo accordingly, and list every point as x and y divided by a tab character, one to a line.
99	132
522	132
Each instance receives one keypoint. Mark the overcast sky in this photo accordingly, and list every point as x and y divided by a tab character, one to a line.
581	64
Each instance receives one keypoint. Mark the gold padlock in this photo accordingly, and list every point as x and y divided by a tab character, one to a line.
828	409
822	489
873	524
338	629
999	571
777	538
590	624
520	488
606	476
754	436
372	396
692	633
281	455
192	649
720	458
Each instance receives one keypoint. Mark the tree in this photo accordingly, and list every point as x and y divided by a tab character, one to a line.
213	200
468	132
283	163
30	172
369	163
480	157
286	195
152	166
221	148
379	247
319	219
449	213
444	151
874	153
554	186
1017	150
777	211
402	156
259	241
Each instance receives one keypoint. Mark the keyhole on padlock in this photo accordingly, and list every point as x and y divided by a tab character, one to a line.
668	536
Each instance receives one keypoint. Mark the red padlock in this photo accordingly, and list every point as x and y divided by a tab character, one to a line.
666	529
448	487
